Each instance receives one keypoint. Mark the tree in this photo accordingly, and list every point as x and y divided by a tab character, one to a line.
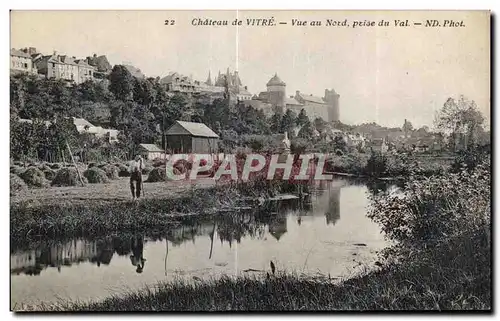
302	119
275	122
462	120
288	122
144	91
121	83
407	127
320	124
339	143
306	131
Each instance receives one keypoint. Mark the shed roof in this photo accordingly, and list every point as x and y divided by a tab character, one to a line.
190	128
81	122
151	148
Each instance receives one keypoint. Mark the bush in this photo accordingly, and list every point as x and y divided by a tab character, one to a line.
376	165
67	177
34	177
147	168
102	165
55	166
353	163
18	170
16	184
397	165
123	171
468	159
299	146
49	174
111	171
95	175
43	167
158	174
158	162
432	209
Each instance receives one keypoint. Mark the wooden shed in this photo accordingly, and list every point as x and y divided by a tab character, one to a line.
187	137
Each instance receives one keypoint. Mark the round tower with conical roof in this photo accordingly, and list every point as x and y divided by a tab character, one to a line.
276	89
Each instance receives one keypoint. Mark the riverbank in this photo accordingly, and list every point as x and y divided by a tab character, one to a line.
96	216
88	212
455	275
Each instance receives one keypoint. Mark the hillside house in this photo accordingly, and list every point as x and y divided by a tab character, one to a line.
21	62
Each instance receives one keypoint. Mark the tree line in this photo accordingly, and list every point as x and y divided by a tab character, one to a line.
141	109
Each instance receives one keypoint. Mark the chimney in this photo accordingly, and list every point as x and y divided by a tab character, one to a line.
94	55
32	51
297	92
246	88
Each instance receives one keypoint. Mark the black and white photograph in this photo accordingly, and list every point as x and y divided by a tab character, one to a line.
250	160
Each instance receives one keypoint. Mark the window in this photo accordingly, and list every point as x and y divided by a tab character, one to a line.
25	65
90	72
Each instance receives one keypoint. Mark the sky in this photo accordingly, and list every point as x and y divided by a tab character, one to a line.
382	74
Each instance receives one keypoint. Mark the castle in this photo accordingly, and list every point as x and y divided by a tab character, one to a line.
270	101
275	99
175	82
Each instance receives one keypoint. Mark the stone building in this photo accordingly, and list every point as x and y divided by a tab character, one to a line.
101	64
20	61
64	67
275	99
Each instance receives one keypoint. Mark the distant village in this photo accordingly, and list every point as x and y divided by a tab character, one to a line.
75	70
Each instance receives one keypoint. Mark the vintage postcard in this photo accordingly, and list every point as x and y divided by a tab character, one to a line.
240	160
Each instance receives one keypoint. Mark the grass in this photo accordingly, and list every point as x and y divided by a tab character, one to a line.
151	216
101	217
447	277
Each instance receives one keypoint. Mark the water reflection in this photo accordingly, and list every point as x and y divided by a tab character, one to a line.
324	201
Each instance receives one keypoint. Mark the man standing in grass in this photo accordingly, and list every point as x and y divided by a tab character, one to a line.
135	169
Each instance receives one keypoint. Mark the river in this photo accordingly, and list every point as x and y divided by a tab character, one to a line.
329	236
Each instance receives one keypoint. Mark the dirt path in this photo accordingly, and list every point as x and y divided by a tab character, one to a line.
116	190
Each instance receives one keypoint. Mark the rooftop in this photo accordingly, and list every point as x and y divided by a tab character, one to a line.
311	98
81	122
194	129
19	53
276	81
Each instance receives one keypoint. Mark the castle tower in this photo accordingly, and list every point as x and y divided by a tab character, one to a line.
236	82
228	78
332	99
209	79
276	89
